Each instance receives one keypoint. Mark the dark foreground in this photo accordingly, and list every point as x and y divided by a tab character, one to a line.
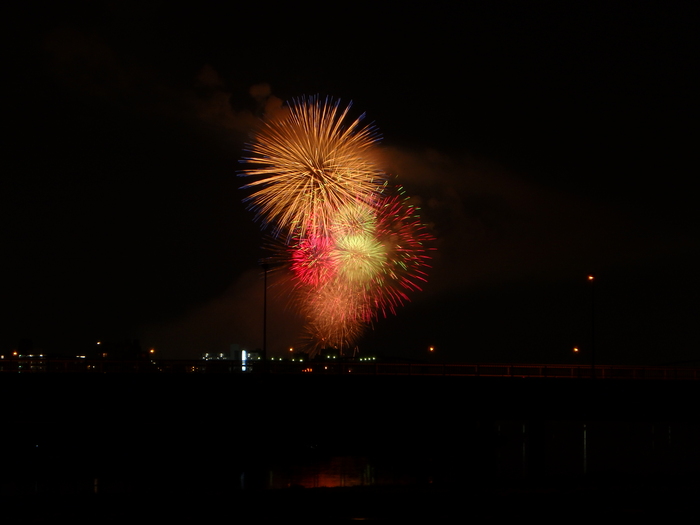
378	504
111	448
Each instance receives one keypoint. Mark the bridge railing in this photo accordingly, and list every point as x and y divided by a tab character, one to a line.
517	370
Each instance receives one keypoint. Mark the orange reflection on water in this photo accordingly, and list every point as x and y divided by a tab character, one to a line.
338	471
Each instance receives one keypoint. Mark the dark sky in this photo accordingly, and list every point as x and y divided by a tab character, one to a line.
542	142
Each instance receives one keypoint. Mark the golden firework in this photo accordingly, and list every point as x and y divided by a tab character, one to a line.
310	163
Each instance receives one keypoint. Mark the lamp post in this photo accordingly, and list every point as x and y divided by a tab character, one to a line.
265	267
591	281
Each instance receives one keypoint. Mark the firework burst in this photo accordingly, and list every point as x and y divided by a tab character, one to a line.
309	164
354	246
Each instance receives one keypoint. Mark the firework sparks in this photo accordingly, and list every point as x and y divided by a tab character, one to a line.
312	261
359	258
355	248
310	164
406	242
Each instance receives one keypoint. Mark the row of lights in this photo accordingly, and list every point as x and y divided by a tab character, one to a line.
152	351
16	354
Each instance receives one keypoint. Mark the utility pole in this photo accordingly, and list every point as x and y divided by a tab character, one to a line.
265	267
591	280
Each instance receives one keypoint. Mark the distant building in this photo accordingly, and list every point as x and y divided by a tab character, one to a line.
236	353
221	356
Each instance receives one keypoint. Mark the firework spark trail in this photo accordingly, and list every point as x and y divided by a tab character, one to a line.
354	246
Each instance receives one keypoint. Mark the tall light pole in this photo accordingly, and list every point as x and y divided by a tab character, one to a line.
265	267
591	281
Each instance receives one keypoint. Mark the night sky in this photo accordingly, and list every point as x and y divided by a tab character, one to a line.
541	142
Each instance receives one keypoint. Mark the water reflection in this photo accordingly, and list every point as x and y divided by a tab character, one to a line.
338	471
502	451
509	451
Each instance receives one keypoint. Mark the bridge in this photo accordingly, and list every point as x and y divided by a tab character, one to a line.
42	365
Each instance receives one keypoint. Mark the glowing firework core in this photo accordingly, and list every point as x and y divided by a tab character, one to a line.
359	257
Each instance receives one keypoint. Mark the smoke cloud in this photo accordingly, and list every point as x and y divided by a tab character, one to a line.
494	227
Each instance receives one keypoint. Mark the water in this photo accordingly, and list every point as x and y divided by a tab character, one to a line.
377	448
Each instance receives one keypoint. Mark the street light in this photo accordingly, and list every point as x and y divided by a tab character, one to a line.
265	267
591	280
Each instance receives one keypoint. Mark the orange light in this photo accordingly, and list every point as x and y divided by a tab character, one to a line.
152	350
432	348
575	349
590	277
